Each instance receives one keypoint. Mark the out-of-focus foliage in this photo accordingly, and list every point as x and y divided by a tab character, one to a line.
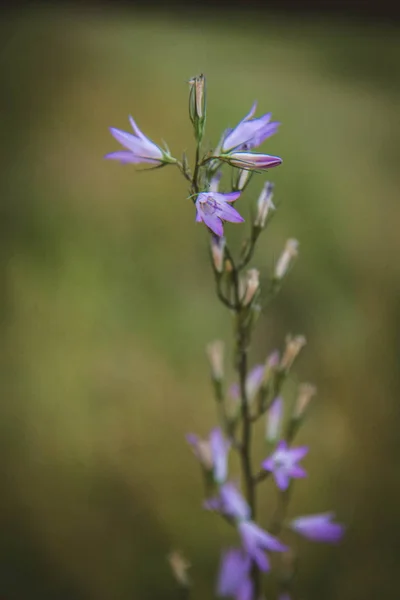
108	298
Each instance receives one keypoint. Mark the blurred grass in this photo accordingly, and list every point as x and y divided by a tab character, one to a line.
108	301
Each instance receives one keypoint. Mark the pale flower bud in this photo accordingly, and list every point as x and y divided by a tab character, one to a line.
264	205
306	392
179	566
292	350
286	259
215	353
242	179
252	285
271	366
274	420
214	183
217	252
197	97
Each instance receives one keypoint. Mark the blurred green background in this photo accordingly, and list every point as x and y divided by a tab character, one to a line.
108	300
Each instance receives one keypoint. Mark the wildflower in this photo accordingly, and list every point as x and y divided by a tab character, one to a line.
283	464
213	208
251	160
249	133
197	97
264	205
234	575
212	453
255	540
252	285
292	349
179	566
217	252
229	502
274	420
305	393
253	383
286	259
318	528
214	183
215	353
139	148
242	179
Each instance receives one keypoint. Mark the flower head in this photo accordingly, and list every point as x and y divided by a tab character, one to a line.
255	540
249	133
212	453
251	160
283	464
229	502
139	148
318	528
234	575
213	208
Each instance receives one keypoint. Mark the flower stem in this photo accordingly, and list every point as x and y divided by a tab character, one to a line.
241	366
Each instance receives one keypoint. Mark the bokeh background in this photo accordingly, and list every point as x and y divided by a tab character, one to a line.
108	302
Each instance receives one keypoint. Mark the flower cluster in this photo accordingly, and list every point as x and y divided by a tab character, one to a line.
259	392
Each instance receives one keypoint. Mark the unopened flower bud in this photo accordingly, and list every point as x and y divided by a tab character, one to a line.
292	350
242	179
215	353
252	286
264	205
197	104
179	566
305	393
218	252
214	183
271	366
286	259
274	420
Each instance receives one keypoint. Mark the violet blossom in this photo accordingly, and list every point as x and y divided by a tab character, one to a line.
249	133
283	464
318	528
234	575
139	148
255	540
213	209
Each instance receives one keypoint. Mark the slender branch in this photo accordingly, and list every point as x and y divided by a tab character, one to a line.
195	183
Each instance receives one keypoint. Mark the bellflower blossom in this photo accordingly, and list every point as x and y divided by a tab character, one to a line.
213	208
139	148
255	540
212	453
249	133
234	575
283	464
318	528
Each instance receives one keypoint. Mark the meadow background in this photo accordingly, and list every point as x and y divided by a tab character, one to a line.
108	300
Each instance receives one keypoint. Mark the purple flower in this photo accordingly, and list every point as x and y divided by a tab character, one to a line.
212	453
213	208
139	148
234	575
251	160
253	382
318	528
229	502
255	540
249	133
283	464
